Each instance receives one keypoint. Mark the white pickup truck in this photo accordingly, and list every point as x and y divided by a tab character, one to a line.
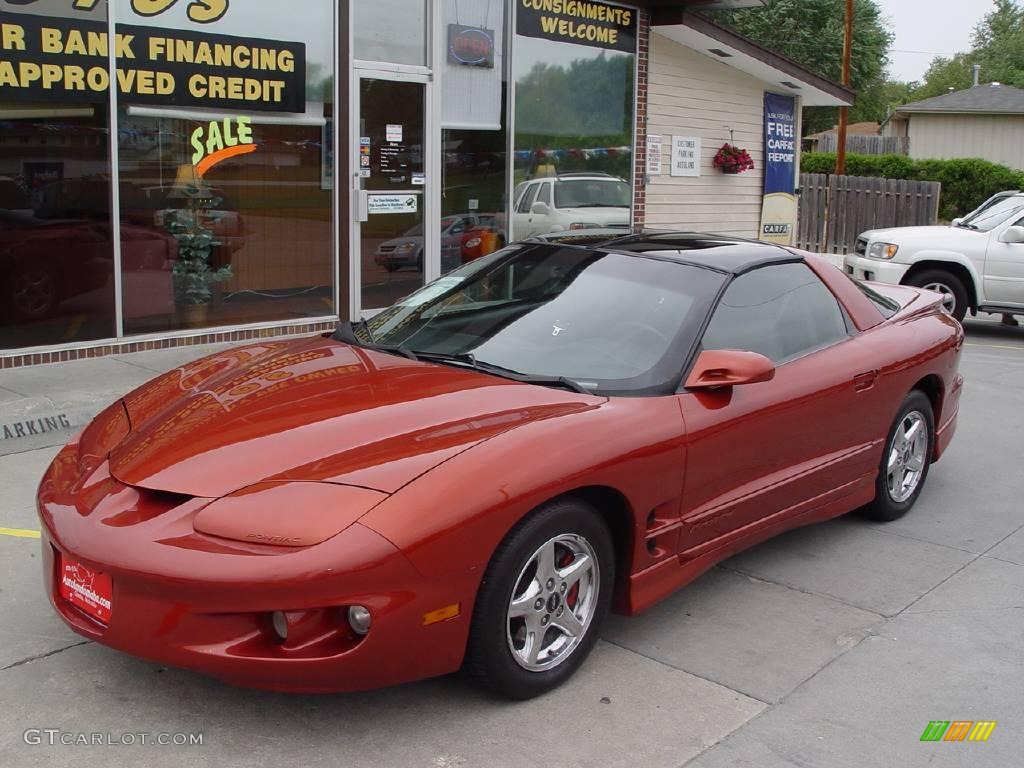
977	262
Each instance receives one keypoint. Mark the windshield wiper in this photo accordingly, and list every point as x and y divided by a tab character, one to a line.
469	360
346	332
965	225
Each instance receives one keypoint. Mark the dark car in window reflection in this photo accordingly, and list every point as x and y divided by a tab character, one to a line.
47	262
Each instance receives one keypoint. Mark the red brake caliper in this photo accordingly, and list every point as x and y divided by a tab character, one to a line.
574	591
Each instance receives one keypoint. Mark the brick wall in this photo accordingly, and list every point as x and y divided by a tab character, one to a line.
640	139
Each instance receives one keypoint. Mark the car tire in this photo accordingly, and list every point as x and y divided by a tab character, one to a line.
903	469
530	631
33	294
946	283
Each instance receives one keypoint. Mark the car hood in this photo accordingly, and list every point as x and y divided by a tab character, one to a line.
935	237
315	410
602	215
397	241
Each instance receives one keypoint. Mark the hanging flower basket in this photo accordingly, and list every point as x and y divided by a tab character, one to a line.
730	159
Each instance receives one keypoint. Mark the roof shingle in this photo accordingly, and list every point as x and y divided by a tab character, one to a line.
992	98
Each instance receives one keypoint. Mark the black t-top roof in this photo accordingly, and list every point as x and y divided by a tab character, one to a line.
719	252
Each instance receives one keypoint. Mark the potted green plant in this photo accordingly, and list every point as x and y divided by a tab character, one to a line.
194	275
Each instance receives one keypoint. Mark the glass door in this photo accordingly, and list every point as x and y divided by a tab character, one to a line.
391	251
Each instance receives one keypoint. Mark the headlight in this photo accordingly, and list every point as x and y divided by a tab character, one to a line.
286	514
882	250
405	247
473	242
583	225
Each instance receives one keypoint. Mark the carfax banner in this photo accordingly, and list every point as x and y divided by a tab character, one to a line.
599	25
45	59
779	207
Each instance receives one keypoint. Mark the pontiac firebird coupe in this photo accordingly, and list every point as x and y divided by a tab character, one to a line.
476	476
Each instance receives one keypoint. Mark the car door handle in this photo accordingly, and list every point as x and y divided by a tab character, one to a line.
864	381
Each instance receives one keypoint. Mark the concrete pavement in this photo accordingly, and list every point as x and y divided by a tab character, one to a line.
833	645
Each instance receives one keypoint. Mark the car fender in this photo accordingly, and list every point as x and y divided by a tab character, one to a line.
948	257
451	519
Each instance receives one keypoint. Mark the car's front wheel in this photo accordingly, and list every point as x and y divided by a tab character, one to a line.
954	294
543	600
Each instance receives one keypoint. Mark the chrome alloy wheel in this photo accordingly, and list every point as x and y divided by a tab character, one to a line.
907	456
948	297
553	602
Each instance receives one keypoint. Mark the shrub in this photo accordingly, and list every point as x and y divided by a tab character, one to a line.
966	183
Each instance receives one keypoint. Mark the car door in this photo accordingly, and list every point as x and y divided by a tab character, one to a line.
521	219
542	211
1004	268
781	447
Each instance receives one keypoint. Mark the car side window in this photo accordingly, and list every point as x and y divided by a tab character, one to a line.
544	196
528	198
782	311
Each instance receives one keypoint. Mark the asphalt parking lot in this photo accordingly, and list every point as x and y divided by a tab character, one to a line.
833	645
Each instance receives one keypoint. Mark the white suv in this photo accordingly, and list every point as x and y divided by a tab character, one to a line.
570	201
977	262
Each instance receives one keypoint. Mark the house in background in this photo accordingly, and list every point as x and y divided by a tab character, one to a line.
985	121
825	141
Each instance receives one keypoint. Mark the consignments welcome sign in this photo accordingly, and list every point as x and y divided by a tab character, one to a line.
599	25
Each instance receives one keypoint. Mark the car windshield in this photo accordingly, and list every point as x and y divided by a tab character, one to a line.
610	322
991	217
592	193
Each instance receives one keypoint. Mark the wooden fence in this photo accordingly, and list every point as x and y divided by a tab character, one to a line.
867	145
834	210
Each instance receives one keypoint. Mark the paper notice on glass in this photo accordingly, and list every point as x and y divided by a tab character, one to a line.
653	154
392	203
393	133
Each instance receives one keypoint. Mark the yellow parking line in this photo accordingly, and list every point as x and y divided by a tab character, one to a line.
995	346
20	533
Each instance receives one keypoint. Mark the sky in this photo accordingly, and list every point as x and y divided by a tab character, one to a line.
929	28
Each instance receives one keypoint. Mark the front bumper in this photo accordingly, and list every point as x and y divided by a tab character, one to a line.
877	270
202	603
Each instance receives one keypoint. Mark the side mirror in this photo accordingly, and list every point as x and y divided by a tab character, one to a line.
1012	235
539	208
729	368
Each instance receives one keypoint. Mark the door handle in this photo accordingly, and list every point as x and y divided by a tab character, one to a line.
864	381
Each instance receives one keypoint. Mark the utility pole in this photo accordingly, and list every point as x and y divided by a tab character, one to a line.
844	112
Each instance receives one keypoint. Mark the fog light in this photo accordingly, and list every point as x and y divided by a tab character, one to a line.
280	623
359	619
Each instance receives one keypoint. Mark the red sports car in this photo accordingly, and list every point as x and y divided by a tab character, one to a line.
474	477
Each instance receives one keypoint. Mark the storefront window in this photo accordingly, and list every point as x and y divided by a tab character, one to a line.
474	136
393	31
56	250
225	158
574	111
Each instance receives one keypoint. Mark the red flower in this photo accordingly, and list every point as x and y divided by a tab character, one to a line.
732	159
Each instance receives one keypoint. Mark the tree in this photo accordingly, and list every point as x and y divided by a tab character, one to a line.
997	45
811	33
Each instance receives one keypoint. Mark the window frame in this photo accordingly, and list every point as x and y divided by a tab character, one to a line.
851	329
529	194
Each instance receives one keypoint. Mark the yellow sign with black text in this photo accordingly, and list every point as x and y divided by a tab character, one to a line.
45	59
599	25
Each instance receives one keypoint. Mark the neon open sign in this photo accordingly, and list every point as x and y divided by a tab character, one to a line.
471	46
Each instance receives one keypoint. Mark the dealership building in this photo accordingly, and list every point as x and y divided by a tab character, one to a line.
266	168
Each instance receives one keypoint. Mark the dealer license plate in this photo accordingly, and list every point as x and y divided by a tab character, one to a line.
86	589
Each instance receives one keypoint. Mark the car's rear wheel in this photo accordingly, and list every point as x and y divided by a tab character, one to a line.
954	294
905	460
33	293
542	601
